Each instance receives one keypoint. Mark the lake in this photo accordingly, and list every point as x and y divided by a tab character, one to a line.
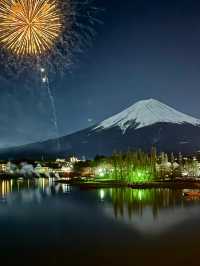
44	223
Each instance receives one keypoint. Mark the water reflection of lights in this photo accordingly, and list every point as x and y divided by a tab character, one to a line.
30	189
147	223
66	188
150	210
43	183
5	187
140	195
102	194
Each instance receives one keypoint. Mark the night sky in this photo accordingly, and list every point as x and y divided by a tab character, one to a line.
142	49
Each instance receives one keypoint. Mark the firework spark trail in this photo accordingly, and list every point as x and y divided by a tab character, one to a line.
45	81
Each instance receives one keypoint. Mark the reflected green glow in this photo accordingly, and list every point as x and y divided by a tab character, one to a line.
133	201
140	195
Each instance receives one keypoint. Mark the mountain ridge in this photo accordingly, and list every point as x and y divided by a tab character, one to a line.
143	125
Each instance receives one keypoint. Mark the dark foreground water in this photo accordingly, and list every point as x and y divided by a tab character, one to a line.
42	223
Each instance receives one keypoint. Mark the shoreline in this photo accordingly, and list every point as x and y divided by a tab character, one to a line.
92	183
192	184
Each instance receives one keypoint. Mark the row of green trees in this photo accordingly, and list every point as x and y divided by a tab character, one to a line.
132	166
140	167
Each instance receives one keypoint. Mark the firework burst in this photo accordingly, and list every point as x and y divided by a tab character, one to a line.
29	27
62	29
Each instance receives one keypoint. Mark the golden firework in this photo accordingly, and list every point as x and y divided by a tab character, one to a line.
29	27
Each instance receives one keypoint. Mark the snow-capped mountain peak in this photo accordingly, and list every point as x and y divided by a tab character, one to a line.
145	113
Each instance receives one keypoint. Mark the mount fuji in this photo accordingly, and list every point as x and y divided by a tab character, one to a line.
146	113
145	124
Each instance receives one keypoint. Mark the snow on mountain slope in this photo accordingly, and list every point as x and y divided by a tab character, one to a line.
145	113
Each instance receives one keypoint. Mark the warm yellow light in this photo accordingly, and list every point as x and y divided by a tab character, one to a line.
29	27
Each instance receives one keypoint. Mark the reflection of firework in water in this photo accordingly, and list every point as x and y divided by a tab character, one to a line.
29	27
43	32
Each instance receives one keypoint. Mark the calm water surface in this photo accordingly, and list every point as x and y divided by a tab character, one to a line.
43	223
